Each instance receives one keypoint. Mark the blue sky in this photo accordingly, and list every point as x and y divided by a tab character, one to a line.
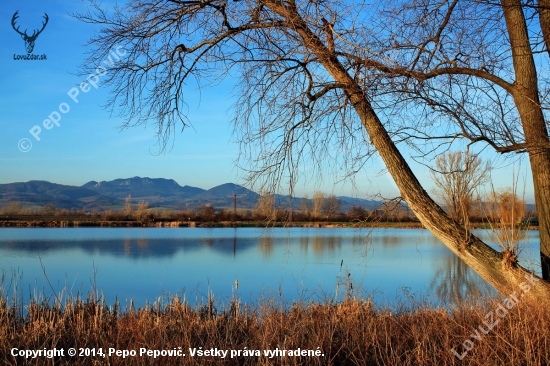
88	143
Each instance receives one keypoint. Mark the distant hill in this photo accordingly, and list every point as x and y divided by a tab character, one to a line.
40	193
224	191
349	202
158	192
222	196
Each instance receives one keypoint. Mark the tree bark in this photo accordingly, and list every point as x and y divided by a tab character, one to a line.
504	274
544	20
488	263
526	98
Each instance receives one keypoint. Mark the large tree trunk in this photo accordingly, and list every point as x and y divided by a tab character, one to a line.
496	268
544	20
491	265
526	98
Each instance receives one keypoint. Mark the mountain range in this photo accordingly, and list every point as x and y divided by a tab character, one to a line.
158	192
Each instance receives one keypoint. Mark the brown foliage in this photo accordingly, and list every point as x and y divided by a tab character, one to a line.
352	332
457	175
506	208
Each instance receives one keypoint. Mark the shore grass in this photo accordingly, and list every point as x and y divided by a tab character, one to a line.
78	221
53	221
71	222
351	332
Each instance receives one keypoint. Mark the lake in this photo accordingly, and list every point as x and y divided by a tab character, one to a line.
287	264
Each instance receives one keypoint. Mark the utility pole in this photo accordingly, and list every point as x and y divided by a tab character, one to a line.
234	207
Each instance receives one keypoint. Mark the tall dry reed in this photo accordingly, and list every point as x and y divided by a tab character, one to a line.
351	332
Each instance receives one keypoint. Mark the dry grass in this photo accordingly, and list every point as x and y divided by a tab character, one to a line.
352	332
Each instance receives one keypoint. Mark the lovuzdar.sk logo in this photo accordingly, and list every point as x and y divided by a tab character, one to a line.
29	39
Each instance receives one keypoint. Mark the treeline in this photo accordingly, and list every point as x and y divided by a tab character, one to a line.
321	208
503	207
458	177
16	209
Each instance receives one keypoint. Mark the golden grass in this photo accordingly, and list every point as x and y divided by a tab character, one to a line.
352	332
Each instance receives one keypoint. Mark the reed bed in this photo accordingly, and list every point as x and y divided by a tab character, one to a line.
351	332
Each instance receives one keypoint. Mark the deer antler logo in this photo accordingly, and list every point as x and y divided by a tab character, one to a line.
29	40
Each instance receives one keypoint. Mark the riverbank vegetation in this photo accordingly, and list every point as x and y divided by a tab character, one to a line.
351	332
323	210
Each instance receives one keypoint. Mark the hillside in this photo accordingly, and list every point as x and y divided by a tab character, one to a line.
158	192
39	193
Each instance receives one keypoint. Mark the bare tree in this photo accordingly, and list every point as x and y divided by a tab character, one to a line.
394	211
49	209
128	207
506	208
456	176
207	213
307	93
13	209
141	210
319	202
265	209
358	213
305	205
475	71
333	206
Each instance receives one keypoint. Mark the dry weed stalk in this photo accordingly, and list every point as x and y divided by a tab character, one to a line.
350	332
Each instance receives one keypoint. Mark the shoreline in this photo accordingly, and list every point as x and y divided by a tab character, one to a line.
191	224
74	223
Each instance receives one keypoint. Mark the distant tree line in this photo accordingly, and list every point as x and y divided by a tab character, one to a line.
501	206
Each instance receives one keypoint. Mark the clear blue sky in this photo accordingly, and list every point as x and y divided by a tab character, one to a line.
88	144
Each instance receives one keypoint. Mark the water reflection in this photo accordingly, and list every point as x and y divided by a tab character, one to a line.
326	244
320	245
453	281
141	243
391	241
266	246
293	263
304	244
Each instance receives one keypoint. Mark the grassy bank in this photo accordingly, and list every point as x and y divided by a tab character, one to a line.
49	222
82	222
353	332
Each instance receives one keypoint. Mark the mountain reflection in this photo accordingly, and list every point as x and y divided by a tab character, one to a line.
134	247
294	260
141	243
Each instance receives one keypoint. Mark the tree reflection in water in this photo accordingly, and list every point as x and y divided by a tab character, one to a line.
266	246
454	282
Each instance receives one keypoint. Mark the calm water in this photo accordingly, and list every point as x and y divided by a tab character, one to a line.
290	264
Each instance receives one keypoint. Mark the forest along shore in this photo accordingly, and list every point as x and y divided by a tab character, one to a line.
175	224
38	222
